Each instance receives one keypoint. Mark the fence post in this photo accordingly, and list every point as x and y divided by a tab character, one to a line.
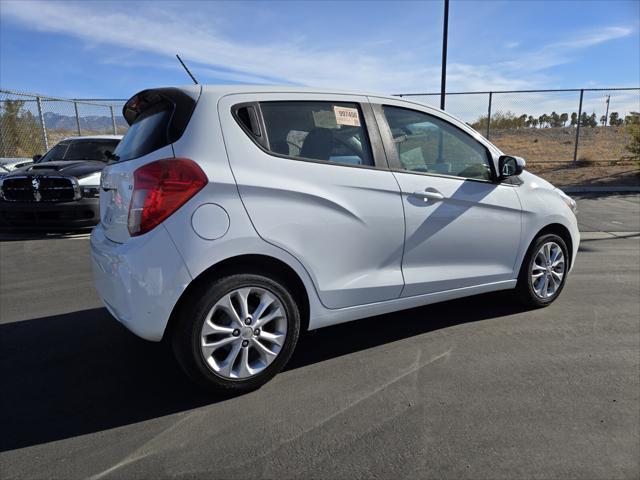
42	125
113	120
575	150
75	106
489	114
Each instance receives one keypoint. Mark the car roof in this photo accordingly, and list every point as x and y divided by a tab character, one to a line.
222	90
230	89
92	137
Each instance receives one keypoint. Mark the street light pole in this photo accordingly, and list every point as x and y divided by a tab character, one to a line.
445	31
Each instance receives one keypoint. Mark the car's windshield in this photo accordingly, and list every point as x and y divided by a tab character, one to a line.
80	150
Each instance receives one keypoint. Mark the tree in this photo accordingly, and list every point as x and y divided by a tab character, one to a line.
574	119
563	118
19	132
593	122
633	147
522	120
543	120
632	119
584	120
603	120
614	119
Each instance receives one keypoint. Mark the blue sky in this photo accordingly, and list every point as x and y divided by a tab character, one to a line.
99	49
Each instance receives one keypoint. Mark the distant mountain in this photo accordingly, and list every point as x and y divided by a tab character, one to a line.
55	121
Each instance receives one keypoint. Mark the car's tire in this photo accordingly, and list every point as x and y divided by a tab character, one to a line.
535	270
241	364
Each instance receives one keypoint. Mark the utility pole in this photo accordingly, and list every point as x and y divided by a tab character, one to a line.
445	32
606	115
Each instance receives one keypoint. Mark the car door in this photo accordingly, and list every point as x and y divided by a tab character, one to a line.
315	182
462	228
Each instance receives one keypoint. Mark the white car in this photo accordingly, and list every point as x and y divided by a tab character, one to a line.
10	164
236	218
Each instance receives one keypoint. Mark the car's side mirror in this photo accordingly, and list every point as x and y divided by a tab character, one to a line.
509	166
37	157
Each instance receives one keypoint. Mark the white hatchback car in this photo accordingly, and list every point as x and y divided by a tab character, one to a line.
237	217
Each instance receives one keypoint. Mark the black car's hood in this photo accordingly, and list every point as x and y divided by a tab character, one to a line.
71	168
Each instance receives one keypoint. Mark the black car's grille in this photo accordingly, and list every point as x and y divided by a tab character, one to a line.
38	189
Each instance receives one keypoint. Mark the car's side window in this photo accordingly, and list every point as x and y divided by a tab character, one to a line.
425	143
327	131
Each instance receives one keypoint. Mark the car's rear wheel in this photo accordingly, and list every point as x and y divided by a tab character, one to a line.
544	271
237	333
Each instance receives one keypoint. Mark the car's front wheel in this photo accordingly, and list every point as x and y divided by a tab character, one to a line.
235	334
544	271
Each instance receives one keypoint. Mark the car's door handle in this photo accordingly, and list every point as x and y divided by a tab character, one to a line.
429	195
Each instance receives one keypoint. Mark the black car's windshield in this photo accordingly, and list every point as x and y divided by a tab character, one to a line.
56	153
80	150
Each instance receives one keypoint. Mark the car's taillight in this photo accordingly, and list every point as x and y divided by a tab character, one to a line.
159	189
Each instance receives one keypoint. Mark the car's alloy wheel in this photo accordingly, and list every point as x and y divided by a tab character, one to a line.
234	333
243	332
547	271
544	271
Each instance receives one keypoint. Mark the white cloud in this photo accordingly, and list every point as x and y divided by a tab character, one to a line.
561	52
593	37
298	61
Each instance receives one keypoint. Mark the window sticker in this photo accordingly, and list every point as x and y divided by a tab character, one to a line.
324	119
347	116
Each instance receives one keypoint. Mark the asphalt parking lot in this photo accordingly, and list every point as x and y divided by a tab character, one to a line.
475	388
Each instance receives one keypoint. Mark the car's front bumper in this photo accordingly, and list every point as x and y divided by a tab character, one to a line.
139	281
50	216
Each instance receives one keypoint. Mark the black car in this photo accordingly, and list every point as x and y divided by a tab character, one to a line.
60	190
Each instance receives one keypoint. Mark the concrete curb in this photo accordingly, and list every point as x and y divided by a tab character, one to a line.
628	189
588	236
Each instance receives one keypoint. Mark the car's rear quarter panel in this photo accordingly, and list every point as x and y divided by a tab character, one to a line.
203	142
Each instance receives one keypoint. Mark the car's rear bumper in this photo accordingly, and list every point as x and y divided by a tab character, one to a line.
139	281
50	216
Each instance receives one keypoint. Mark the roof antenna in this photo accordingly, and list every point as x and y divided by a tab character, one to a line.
185	67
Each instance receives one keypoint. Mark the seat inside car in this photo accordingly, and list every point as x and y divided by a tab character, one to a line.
318	144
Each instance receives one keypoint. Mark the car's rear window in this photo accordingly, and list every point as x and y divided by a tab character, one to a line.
156	118
147	134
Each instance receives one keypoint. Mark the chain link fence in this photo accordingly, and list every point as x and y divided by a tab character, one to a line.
571	137
31	124
556	131
592	125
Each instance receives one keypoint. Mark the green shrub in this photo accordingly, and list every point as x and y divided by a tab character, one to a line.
633	147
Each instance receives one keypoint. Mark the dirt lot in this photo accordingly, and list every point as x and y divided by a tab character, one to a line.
602	157
566	174
558	144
